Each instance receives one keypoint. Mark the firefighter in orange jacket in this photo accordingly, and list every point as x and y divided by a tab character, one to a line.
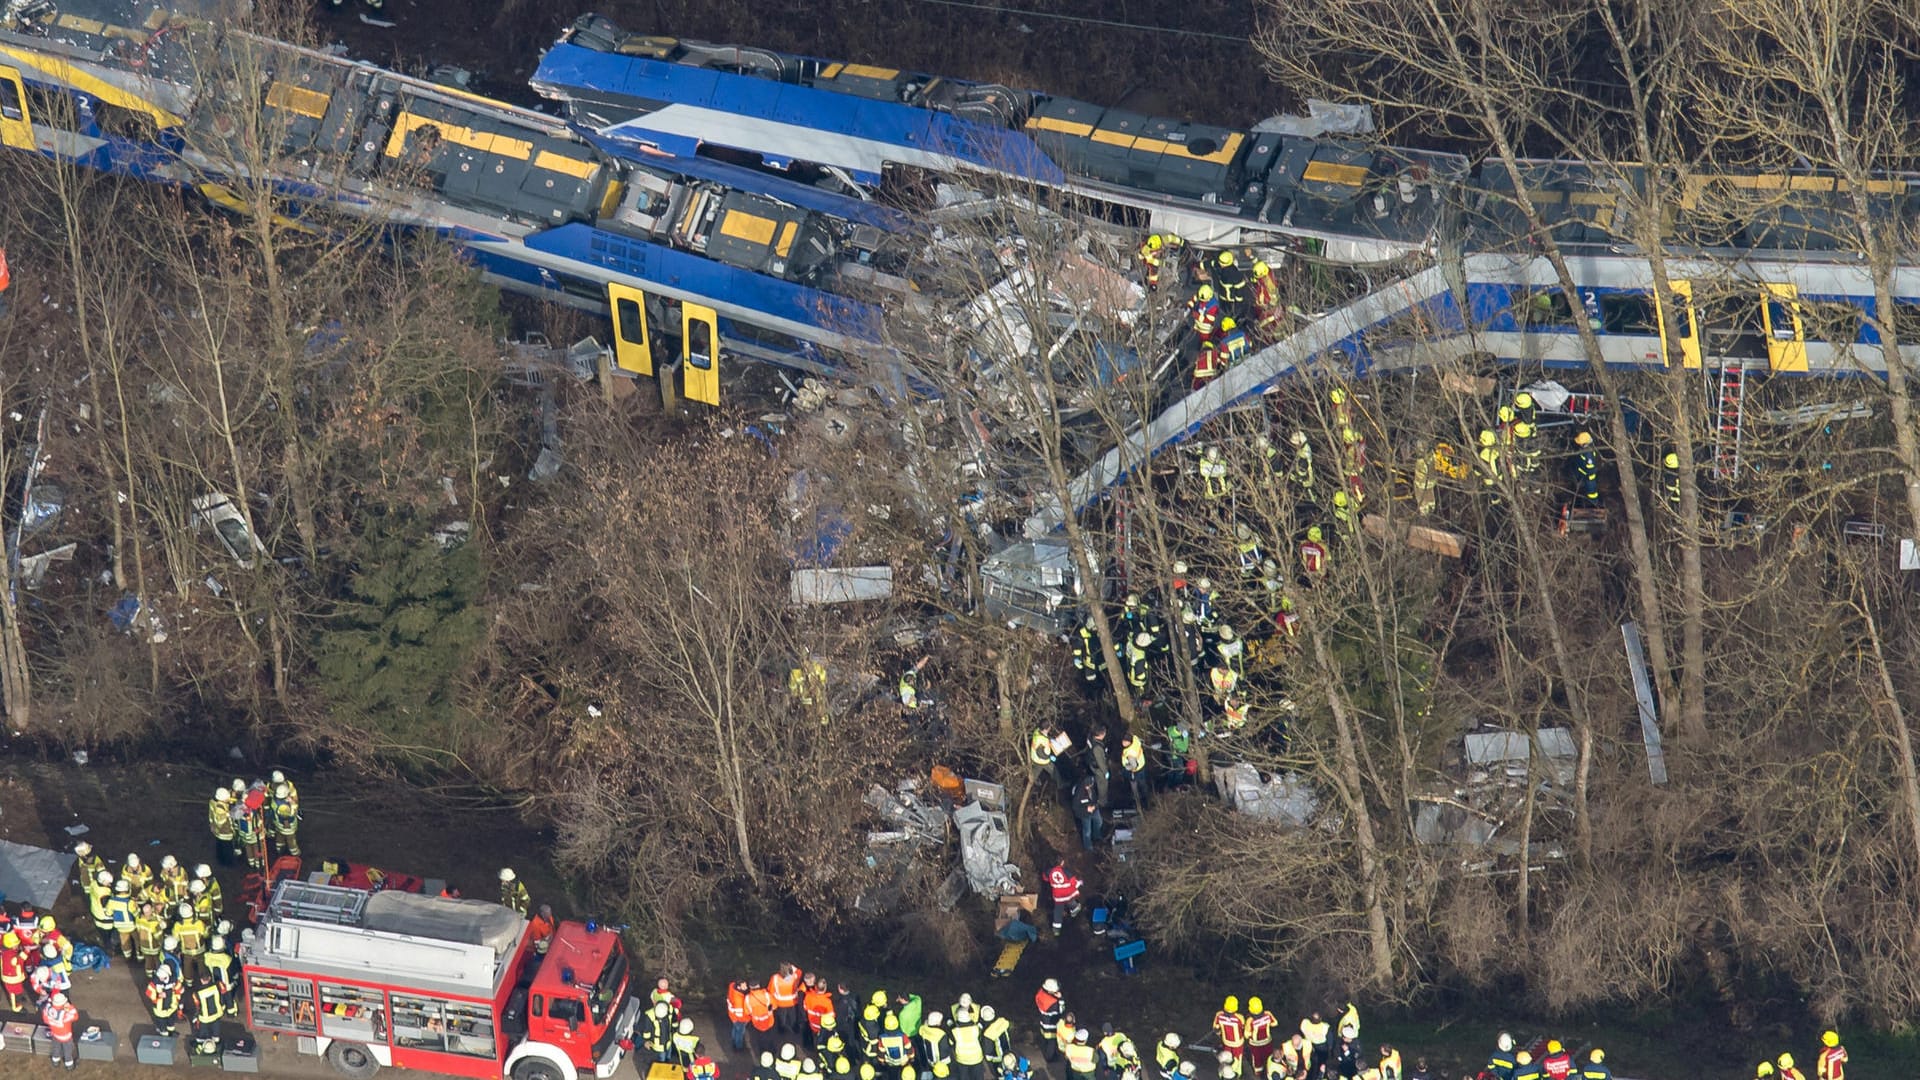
1266	303
1832	1064
1260	1027
1231	1027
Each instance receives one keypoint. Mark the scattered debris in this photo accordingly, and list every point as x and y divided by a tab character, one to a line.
33	568
1285	798
383	24
1032	583
1500	767
229	527
809	586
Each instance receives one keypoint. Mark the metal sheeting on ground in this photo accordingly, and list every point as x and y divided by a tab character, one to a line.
984	850
32	875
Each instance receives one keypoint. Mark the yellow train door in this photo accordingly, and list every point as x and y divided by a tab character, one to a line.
700	353
1679	327
16	130
1786	330
632	346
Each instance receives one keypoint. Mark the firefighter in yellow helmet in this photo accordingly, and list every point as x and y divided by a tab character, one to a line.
1832	1063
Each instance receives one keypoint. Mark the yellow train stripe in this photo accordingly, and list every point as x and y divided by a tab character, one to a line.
1224	155
59	71
483	141
1115	138
832	71
561	163
84	26
1064	127
791	230
1592	198
751	228
298	99
868	72
1326	172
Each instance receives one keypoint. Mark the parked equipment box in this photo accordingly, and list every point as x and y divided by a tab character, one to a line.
17	1036
152	1048
96	1041
242	1055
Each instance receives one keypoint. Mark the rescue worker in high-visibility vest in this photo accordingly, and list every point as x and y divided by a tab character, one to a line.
1116	1055
1052	1006
1133	762
204	875
1290	1061
89	866
192	933
1208	363
149	927
1216	484
1832	1063
1230	1027
1315	1030
1233	342
1670	479
1501	1062
220	966
686	1045
1230	278
786	1065
1313	551
209	1008
220	822
202	903
1138	656
1246	550
1041	760
99	895
513	892
1302	472
1166	1057
1786	1069
1490	461
175	877
13	971
997	1035
871	1026
137	873
807	685
1267	325
163	1002
1152	252
969	1046
250	829
1525	1068
1343	515
121	913
896	1050
1081	1057
283	813
1390	1068
935	1051
50	934
655	1030
1525	448
1203	314
1261	1028
1585	467
737	1014
1596	1066
1088	659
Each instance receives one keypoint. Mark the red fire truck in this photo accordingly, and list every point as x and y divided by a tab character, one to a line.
389	978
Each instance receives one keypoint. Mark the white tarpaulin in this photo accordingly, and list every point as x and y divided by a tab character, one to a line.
32	875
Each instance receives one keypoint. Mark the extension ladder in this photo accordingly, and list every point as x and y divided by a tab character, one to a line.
1729	411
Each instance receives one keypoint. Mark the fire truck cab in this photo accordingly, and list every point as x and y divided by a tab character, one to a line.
373	979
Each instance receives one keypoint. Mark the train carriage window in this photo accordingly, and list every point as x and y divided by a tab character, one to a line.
10	104
630	322
1833	321
1545	308
1906	322
52	109
1629	313
699	354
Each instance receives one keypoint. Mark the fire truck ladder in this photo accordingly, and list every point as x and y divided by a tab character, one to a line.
1728	415
318	903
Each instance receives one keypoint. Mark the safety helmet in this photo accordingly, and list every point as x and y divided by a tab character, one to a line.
1189	618
10	940
223	927
1213	453
766	1058
1486	438
807	1067
49	950
1226	1057
276	777
123	887
1829	1038
46	923
1583	439
1314	534
872	1012
986	1013
1786	1061
1523	1058
185	910
1340	498
659	1008
1337	395
1232	1004
786	1051
1671	461
1261	269
222	795
203	871
239	786
1172	1041
506	873
1269	566
1051	986
1597	1056
1553	1046
686	1026
1228	324
103	878
1765	1068
1348	435
219	943
1226	634
1523	400
1133	601
1154	243
1204	584
133	860
83	849
281	790
168	862
59	997
1263	442
1226	258
1350	1031
1506	414
164	975
196	887
1179	568
933	1018
1126	1048
1090	623
1205	293
880	996
1254	1005
892	1022
1143	640
1523	430
1299	438
169	943
1080	1035
866	1070
1186	1068
1240	530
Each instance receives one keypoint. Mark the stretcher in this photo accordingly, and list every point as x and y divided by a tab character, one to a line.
1009	958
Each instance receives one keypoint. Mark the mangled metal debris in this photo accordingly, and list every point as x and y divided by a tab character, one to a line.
1481	816
1283	798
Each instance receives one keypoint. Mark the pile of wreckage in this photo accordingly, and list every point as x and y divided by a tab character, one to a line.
919	813
1479	817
